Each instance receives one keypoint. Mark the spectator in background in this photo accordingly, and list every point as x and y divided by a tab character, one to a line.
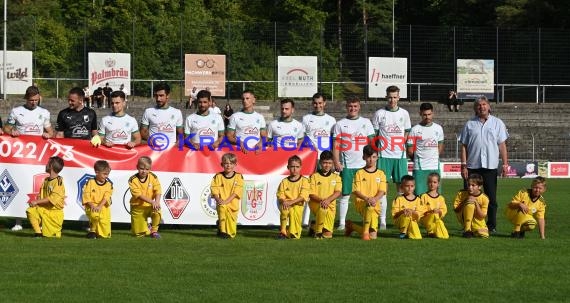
453	104
483	140
107	90
98	97
1	131
192	100
87	98
228	112
214	107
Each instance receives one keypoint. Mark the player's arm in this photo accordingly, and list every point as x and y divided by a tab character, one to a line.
336	154
504	157
480	209
464	171
59	125
48	132
410	149
135	140
144	132
440	148
262	138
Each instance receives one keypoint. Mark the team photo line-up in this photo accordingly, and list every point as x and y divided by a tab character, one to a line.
345	172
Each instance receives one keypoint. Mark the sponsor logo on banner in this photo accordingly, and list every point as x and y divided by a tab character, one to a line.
208	203
37	181
80	184
8	189
176	198
127	200
451	170
559	169
254	200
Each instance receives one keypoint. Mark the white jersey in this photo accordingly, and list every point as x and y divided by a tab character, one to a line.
206	127
29	122
285	133
356	131
162	120
215	110
426	140
118	129
248	127
318	128
391	127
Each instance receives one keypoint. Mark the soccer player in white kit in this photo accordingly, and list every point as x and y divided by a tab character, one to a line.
392	125
351	134
31	120
205	126
424	146
286	132
162	118
247	127
318	127
119	128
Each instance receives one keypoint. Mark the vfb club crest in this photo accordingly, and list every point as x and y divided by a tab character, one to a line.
254	199
176	198
8	189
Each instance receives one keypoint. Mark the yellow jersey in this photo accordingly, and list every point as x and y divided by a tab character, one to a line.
95	193
537	207
428	203
291	190
324	185
369	183
226	186
149	187
54	191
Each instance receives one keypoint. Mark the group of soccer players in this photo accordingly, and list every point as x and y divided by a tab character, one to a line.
390	130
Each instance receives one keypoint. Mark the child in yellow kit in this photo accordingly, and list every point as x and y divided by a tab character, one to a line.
145	201
292	194
470	206
46	213
434	209
226	189
368	187
406	210
326	186
97	194
527	208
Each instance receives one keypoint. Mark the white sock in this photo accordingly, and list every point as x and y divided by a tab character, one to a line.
306	214
383	209
343	209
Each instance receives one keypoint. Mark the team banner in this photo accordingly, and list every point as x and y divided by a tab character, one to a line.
184	174
297	76
475	78
112	68
205	72
384	72
18	71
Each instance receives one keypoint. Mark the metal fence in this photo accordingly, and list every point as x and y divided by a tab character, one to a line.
530	65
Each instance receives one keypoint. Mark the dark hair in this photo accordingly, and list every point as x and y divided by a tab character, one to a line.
319	95
475	178
204	94
368	151
434	174
56	164
326	155
294	158
392	89
162	86
247	91
118	93
353	99
77	91
101	165
31	91
426	106
285	101
407	178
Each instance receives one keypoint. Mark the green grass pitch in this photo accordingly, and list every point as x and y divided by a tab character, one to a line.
189	264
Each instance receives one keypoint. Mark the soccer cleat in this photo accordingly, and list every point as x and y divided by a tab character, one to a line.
348	228
224	236
318	236
17	227
403	236
382	226
38	235
521	235
327	234
155	235
341	227
311	232
282	237
91	235
431	235
468	234
373	235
